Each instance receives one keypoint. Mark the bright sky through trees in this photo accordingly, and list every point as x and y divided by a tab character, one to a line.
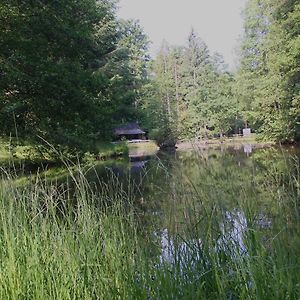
218	22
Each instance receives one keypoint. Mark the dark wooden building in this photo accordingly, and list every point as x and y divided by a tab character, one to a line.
130	131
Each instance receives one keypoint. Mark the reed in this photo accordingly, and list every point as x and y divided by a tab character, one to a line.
74	242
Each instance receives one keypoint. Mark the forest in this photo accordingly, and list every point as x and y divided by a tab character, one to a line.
199	97
72	70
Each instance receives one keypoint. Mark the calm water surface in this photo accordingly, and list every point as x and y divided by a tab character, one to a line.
175	196
235	190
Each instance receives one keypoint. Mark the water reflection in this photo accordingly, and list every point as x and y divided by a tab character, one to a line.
228	180
231	240
178	253
232	232
248	149
178	195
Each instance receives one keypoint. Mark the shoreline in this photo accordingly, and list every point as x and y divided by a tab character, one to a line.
225	143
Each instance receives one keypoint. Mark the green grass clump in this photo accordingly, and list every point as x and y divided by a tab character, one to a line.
71	241
54	249
5	149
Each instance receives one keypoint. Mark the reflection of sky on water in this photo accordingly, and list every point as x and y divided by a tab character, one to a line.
248	149
233	229
180	253
232	232
231	241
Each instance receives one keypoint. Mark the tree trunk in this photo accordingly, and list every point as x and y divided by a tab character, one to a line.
177	89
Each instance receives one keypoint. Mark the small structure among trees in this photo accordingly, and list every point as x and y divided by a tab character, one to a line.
130	131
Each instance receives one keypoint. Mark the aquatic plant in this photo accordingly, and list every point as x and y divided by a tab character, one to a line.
69	240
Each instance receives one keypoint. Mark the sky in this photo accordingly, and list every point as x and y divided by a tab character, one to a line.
218	22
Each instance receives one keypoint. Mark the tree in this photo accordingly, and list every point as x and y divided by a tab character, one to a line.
282	90
50	54
267	82
194	90
70	70
253	63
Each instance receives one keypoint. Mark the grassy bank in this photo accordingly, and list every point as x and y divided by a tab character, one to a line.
35	154
63	242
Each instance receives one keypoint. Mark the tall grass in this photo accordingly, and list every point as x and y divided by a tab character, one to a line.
76	242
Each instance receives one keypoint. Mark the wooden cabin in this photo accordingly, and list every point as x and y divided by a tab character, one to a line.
130	131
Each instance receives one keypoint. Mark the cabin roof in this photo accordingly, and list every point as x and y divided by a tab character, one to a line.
129	129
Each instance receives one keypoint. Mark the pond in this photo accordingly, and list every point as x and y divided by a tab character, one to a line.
178	194
205	223
234	189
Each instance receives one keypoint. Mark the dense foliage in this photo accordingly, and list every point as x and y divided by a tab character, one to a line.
201	99
268	78
69	69
194	90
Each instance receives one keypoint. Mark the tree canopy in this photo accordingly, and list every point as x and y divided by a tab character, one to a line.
201	98
70	71
268	78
